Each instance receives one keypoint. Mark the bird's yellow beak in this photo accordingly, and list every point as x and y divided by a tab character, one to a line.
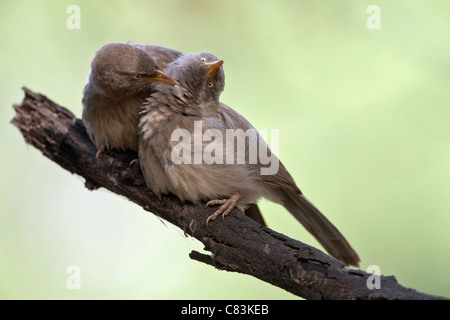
213	67
162	77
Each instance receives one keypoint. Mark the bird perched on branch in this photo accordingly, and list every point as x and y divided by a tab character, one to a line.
122	76
194	107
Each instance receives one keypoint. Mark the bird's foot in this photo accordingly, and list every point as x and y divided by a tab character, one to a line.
100	151
226	206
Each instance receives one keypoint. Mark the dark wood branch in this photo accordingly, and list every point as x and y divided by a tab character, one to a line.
236	244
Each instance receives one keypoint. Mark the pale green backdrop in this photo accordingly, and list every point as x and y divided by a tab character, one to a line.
363	117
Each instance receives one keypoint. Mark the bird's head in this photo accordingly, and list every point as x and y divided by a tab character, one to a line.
200	75
124	68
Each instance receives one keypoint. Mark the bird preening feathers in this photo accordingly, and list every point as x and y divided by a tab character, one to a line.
129	103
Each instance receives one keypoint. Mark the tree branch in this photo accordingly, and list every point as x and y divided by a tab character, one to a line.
237	244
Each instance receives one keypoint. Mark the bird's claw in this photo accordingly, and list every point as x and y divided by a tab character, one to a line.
134	161
100	151
226	206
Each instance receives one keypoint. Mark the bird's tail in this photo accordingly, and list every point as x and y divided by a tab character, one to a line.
253	212
319	226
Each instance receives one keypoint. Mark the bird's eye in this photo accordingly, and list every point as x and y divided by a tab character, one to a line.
137	76
211	84
203	59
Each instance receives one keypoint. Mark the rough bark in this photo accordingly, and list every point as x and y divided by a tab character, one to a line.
236	244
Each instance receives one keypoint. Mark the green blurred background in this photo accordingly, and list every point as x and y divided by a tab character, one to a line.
363	117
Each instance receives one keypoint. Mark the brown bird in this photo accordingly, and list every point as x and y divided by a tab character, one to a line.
112	101
194	107
121	77
163	56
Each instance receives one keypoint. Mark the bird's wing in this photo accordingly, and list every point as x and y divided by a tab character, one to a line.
162	55
281	188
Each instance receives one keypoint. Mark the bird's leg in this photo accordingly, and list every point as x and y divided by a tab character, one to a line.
100	151
226	206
